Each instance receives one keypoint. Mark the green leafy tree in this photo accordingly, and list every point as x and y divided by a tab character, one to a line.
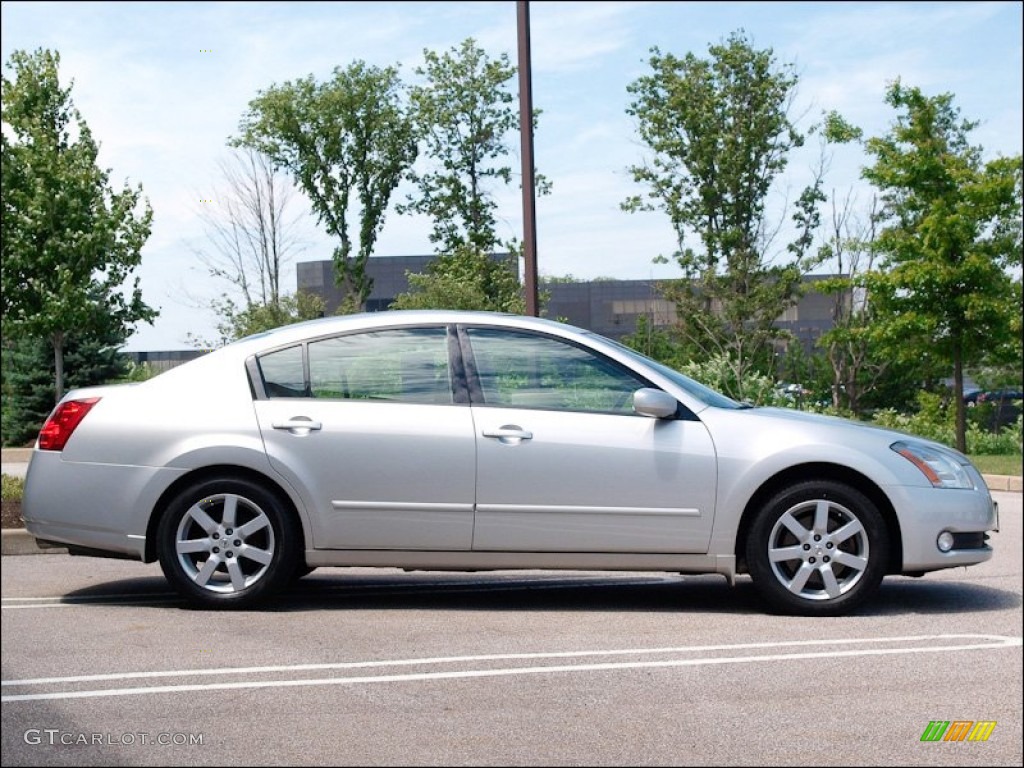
950	243
466	279
69	241
464	111
719	132
348	142
89	359
237	322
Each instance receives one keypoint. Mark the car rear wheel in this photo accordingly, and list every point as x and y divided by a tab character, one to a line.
228	543
817	548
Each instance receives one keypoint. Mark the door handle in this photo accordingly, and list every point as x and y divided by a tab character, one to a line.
509	433
298	425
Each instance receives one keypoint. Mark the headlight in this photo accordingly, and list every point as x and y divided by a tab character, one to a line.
941	469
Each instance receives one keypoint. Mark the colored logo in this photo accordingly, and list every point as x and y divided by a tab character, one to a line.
958	730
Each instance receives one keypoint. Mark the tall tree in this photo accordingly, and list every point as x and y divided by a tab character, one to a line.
69	241
720	134
951	240
464	112
250	232
348	143
93	358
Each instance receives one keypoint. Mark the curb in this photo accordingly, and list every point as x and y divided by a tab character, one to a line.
18	541
1004	483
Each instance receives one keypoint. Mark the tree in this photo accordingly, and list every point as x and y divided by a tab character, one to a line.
463	112
951	239
250	238
239	322
466	279
69	241
29	372
250	234
348	143
720	135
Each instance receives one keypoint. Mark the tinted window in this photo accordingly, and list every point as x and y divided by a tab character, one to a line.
409	366
282	373
524	370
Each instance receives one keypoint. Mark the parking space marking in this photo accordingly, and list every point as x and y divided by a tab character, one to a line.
946	643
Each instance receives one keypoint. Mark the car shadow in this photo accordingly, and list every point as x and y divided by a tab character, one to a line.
902	596
334	589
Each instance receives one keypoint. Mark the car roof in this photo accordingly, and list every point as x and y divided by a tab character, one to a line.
327	326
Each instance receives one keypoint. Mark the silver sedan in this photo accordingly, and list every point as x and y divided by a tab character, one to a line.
454	440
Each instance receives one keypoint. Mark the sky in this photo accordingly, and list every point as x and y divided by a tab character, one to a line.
163	86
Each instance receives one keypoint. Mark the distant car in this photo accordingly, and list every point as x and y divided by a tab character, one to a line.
999	396
473	441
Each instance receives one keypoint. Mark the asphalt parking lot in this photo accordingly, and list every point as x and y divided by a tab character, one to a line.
103	665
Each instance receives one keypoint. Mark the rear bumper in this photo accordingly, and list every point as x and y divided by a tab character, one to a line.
116	499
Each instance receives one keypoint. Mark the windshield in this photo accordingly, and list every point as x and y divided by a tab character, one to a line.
705	394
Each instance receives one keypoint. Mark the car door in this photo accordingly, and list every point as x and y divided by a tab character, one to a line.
367	428
564	464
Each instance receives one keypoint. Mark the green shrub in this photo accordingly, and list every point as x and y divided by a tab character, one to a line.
13	488
935	420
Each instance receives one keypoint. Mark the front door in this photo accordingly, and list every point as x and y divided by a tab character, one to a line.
565	465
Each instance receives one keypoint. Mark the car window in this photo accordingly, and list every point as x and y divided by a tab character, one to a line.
525	370
409	366
282	373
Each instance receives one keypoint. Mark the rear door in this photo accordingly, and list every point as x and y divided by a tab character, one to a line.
368	428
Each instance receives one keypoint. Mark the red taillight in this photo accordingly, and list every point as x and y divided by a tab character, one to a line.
62	422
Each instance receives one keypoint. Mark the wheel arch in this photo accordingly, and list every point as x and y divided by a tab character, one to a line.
821	471
207	473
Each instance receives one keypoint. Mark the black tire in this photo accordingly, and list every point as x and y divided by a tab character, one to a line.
228	543
302	571
817	548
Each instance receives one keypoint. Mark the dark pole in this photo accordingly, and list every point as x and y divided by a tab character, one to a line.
526	137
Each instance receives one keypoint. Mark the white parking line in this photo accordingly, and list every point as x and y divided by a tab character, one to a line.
978	642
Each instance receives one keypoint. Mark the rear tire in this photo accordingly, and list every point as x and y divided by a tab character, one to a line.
228	543
817	548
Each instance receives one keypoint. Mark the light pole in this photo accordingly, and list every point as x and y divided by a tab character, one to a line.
526	138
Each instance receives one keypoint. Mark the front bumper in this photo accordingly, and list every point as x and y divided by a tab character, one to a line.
925	513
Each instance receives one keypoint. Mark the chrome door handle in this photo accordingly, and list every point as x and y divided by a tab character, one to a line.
509	432
298	423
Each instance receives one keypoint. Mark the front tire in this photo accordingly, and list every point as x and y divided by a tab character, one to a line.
817	548
227	543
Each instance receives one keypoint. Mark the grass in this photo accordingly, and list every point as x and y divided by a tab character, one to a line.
999	465
13	488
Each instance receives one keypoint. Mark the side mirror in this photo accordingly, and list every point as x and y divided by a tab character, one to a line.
654	403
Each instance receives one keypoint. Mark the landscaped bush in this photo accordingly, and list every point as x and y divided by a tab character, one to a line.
13	488
936	421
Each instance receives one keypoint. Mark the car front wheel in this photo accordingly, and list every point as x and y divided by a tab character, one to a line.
227	543
817	548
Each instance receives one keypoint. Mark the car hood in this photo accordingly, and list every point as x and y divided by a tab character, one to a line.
773	439
837	426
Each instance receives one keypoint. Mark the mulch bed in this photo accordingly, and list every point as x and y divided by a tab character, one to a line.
11	515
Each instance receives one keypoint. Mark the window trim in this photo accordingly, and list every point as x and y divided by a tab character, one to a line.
457	374
476	390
